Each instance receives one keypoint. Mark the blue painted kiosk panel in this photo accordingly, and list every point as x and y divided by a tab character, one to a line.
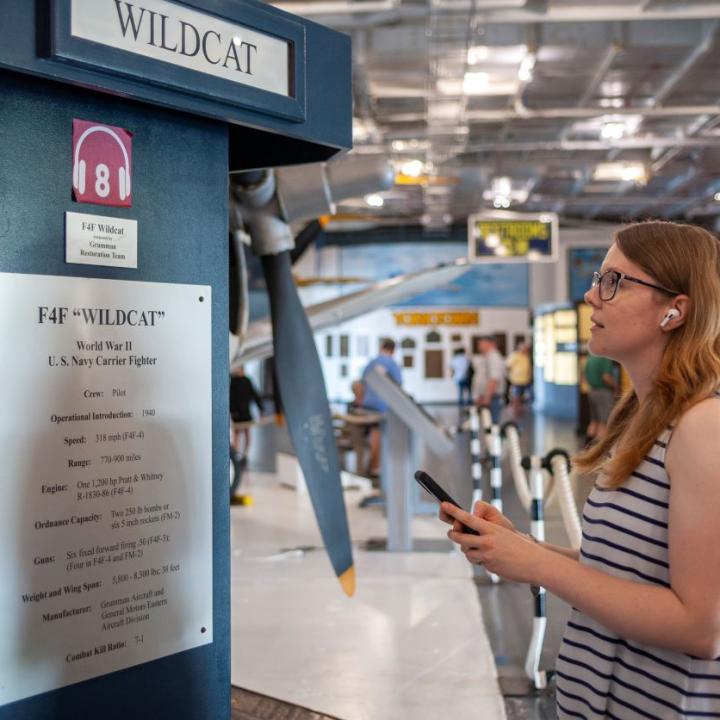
189	129
179	201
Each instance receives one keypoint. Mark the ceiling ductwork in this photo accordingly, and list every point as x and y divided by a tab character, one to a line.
469	91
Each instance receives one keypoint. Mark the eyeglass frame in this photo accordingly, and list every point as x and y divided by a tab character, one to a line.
597	279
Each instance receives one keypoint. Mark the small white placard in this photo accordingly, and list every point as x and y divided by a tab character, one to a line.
106	447
100	240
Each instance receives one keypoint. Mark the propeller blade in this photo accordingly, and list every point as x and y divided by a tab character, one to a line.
304	239
305	403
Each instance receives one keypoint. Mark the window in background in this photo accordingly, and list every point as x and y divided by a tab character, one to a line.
363	345
344	345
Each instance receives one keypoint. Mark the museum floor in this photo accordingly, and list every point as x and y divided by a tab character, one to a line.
422	638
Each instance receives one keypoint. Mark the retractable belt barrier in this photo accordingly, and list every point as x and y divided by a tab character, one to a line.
511	435
510	432
535	492
558	463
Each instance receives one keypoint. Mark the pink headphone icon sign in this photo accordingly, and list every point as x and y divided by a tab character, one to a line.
79	165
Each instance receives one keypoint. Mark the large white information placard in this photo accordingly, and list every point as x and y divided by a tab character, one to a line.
105	439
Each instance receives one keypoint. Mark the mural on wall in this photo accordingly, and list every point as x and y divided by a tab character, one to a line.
582	263
487	285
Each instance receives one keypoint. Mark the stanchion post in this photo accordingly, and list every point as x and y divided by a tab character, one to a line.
486	422
475	455
496	467
537	529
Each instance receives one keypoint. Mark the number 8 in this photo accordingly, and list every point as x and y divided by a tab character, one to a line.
102	180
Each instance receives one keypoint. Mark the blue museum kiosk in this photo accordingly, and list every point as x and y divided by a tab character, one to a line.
137	112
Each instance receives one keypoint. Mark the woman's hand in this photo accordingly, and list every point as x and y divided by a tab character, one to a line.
481	510
498	547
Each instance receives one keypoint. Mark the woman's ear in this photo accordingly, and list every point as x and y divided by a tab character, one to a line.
675	316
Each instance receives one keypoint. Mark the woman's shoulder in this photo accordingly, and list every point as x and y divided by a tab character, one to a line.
703	412
697	429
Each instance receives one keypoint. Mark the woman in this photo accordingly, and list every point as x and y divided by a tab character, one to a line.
644	636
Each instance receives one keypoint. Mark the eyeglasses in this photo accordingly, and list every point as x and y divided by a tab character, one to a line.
610	280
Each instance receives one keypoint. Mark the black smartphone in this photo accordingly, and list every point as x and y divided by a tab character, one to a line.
439	494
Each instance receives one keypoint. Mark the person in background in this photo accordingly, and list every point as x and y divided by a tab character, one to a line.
494	389
460	366
358	391
372	401
643	638
242	394
600	375
519	369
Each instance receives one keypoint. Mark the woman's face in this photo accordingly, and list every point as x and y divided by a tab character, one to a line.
627	326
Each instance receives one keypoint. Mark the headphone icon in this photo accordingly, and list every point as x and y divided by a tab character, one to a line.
79	165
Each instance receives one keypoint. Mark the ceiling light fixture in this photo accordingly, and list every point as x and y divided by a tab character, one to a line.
614	127
611	102
448	86
716	197
621	172
525	73
612	130
477	54
633	173
474	83
412	168
502	185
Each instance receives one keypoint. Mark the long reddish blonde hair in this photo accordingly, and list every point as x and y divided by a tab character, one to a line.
687	259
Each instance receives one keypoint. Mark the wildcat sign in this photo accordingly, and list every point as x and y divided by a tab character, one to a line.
187	38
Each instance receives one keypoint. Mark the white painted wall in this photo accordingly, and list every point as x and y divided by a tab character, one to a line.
364	336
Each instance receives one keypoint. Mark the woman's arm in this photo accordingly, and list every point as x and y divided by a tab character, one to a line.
492	514
685	617
567	552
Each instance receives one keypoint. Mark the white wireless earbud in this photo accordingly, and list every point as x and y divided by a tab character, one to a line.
671	315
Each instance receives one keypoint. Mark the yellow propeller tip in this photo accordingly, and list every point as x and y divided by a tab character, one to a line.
347	581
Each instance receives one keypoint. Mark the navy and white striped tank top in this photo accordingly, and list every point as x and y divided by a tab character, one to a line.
600	675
